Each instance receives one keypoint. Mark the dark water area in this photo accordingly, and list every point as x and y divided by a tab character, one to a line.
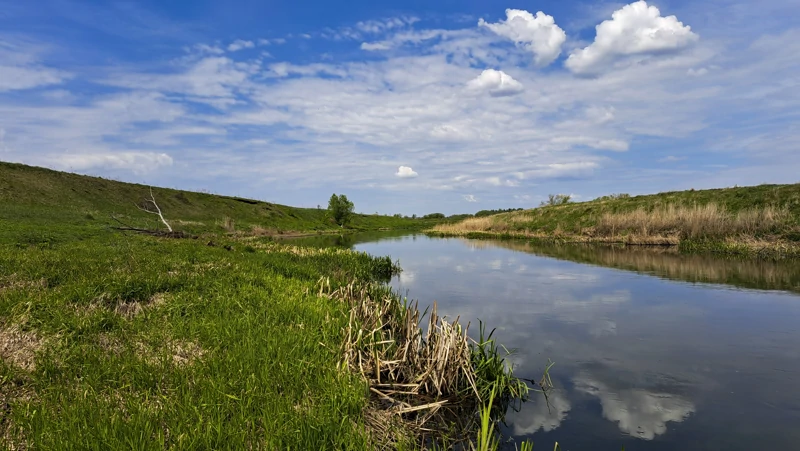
654	350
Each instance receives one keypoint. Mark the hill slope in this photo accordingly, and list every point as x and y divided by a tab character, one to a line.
43	196
735	219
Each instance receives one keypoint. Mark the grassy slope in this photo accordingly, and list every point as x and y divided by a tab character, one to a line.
573	220
34	193
118	341
111	340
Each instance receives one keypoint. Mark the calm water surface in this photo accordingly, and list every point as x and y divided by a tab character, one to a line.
653	350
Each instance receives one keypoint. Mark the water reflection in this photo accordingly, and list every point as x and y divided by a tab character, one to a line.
640	413
669	263
540	416
638	358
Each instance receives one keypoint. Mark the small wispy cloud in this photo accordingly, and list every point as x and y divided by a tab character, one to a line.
671	159
240	44
470	198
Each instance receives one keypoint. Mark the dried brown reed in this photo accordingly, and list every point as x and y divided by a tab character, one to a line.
699	221
421	377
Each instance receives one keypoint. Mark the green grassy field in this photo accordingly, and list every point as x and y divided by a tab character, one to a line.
112	341
762	219
120	340
43	196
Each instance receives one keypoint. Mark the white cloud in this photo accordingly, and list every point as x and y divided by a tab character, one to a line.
496	82
538	34
635	29
697	72
405	172
373	46
137	162
470	198
275	41
209	49
240	44
557	170
381	26
20	69
287	69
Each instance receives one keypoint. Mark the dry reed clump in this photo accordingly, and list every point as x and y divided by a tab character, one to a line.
703	221
468	225
421	378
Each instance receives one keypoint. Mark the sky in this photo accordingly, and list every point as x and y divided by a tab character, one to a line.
407	106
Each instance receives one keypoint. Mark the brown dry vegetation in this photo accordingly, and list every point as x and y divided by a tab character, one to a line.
19	348
422	380
753	230
703	221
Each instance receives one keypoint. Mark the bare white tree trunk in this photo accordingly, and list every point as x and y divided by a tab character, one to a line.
152	201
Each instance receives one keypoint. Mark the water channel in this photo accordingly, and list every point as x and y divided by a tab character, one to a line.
654	350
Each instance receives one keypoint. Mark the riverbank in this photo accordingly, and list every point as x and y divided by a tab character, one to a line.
755	221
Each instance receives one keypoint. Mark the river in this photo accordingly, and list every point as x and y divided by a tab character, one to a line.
654	350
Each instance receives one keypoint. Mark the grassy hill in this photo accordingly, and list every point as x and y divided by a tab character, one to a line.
39	196
763	218
114	340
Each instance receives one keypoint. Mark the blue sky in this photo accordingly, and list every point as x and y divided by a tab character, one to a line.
406	107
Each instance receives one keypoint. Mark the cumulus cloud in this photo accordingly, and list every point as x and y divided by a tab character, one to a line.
470	198
635	29
538	34
240	44
405	172
496	82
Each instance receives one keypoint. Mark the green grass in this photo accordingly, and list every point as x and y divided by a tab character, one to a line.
43	196
227	350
